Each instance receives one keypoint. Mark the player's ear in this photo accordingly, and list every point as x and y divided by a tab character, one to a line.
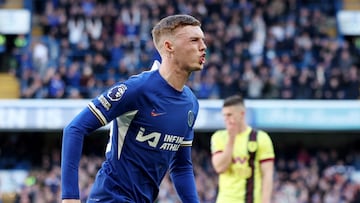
168	46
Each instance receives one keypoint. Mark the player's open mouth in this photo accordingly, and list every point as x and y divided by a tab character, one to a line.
202	59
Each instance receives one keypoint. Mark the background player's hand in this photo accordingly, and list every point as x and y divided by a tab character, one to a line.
70	201
233	130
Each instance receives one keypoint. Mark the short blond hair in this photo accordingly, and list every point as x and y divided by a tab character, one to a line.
169	24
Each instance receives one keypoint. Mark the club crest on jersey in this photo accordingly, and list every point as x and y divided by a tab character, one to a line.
191	118
116	92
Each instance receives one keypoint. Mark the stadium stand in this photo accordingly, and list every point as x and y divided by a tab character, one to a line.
264	49
320	173
351	5
9	86
269	50
13	4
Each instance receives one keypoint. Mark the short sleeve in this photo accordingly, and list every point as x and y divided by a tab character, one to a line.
218	141
266	149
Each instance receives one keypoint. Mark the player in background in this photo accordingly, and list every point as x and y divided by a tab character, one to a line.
152	117
243	157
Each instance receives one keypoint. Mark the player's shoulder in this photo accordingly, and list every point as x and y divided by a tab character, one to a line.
261	132
190	94
263	136
133	83
218	139
141	78
141	82
188	90
219	133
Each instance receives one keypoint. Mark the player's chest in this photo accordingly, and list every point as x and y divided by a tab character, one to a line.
241	152
167	117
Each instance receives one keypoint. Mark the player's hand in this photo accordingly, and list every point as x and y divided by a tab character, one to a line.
70	201
232	131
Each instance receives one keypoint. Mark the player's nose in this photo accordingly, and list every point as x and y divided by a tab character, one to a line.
203	46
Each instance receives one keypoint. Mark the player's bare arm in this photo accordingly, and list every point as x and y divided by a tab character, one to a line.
267	171
222	160
70	201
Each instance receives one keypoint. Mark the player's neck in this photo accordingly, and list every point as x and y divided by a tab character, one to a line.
174	75
243	128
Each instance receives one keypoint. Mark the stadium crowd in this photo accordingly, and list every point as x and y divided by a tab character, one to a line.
311	175
264	49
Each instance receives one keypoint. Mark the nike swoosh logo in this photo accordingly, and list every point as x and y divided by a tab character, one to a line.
154	114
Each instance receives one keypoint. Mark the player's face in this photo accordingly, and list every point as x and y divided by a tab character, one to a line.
189	48
233	116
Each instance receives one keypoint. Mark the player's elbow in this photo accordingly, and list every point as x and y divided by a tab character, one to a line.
219	169
219	166
70	129
73	128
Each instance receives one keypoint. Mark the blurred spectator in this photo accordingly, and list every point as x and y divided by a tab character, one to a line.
56	86
40	55
76	28
302	174
31	84
352	83
94	27
268	49
247	35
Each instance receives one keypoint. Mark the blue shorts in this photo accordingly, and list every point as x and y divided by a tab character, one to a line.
105	190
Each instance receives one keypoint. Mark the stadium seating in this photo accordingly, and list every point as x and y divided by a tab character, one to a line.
351	5
12	4
9	86
233	66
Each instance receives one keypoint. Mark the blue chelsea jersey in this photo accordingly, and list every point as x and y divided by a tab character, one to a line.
150	123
